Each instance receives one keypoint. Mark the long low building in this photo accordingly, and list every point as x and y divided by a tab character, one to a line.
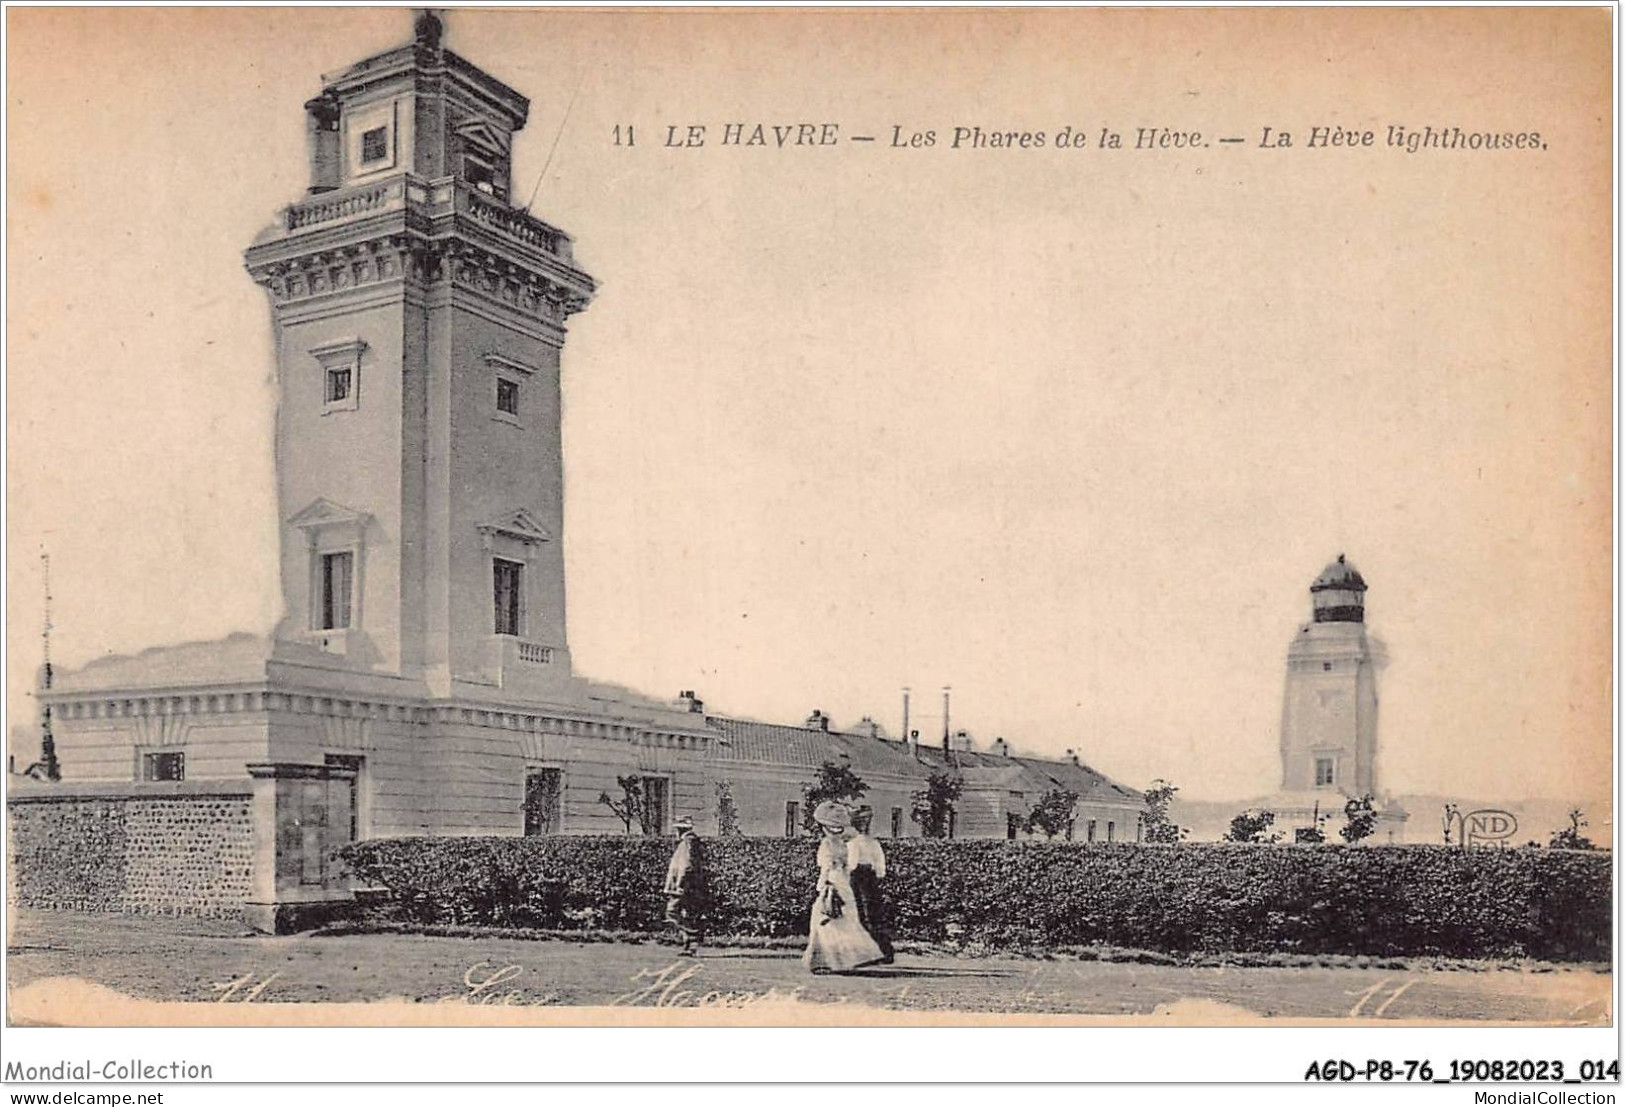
766	767
411	766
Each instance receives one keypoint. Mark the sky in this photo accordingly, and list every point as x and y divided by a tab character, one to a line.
1068	430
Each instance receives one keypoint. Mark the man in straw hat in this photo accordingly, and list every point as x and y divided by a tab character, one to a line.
686	887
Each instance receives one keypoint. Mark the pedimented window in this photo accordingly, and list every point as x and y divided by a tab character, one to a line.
335	538
510	541
336	573
508	588
514	535
484	158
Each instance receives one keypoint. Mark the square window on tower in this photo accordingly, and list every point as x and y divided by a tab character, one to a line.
507	397
339	379
1325	772
374	145
338	385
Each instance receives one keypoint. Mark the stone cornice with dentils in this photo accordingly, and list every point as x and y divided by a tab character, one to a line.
396	257
420	232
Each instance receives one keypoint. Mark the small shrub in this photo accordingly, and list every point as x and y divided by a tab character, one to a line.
631	807
1570	837
835	782
1360	819
1249	826
1052	813
727	810
932	807
1157	827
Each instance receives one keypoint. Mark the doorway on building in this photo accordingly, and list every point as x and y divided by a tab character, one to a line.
656	804
544	789
351	818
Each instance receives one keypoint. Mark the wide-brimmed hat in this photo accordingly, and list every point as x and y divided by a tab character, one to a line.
832	815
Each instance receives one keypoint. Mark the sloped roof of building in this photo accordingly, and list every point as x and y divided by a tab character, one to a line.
1012	776
1040	774
805	747
809	747
1090	784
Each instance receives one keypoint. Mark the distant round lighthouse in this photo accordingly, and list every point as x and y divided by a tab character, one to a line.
1339	593
1329	711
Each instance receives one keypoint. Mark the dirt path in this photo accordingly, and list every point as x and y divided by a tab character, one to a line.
191	960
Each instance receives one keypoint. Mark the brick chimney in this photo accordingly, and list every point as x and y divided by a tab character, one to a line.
1001	748
1072	756
817	720
961	741
689	702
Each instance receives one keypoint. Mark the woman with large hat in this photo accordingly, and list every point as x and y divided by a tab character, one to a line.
836	940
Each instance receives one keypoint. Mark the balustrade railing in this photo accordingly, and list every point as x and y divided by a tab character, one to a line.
524	227
535	653
464	200
342	205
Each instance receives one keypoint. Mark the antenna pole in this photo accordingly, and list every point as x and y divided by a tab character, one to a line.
48	763
551	150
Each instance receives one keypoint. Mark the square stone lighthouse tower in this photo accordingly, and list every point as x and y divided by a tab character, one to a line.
419	318
1329	712
419	677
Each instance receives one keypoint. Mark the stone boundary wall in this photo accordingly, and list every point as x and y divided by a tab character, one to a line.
179	848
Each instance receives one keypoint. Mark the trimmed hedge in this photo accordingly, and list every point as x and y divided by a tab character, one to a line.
1372	900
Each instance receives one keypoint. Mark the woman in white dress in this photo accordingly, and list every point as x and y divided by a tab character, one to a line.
836	940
